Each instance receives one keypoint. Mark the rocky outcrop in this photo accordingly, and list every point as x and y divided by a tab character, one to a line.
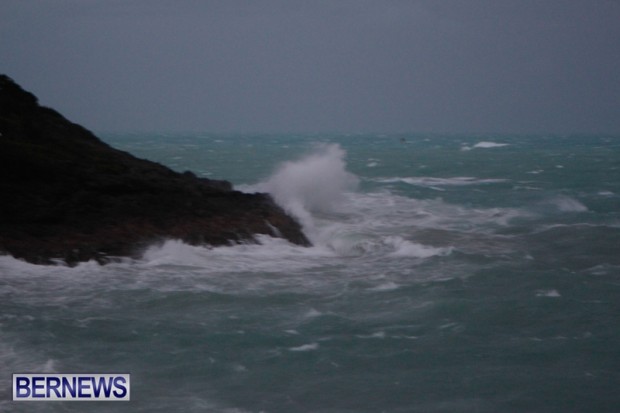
68	195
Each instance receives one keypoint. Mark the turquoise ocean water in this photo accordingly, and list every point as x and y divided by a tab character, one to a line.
448	274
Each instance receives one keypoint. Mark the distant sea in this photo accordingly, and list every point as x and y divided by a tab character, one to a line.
448	274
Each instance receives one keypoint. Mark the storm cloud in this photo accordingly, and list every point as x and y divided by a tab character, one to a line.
475	66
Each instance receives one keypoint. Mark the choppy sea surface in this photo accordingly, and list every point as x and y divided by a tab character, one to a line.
448	274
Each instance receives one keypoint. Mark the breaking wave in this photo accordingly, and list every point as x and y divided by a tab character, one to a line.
315	183
313	186
319	191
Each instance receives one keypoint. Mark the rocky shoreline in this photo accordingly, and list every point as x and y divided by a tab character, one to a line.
66	195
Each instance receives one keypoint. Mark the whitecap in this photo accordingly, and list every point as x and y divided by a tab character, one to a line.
388	286
548	293
239	368
486	144
305	347
404	248
568	204
431	182
312	313
378	334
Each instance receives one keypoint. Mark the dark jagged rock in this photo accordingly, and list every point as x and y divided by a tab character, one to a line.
68	195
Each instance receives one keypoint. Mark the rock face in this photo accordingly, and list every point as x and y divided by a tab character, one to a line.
68	195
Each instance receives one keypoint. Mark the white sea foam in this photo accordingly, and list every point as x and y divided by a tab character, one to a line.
568	204
429	181
266	256
378	334
387	286
359	244
548	293
348	243
486	144
403	247
305	347
313	313
383	212
483	145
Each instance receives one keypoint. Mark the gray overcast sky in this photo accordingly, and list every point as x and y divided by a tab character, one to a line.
472	66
